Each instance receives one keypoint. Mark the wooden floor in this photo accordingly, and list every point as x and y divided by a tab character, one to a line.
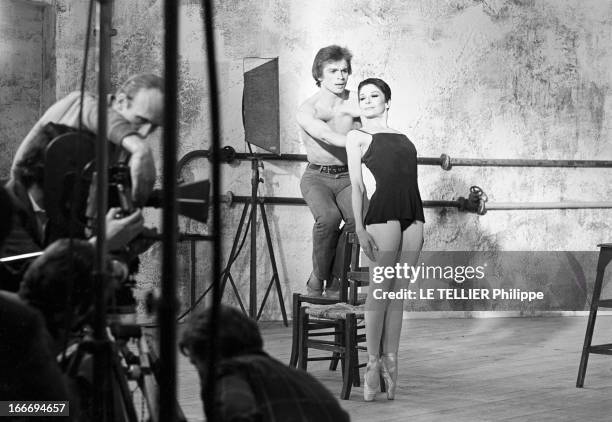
494	369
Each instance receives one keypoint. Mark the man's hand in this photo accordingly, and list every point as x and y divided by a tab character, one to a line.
120	231
142	243
142	168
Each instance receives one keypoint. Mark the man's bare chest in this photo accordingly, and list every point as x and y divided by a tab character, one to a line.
336	118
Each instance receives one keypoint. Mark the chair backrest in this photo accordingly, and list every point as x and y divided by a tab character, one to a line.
354	275
346	268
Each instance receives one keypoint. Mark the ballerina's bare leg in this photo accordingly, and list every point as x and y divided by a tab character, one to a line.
411	245
388	239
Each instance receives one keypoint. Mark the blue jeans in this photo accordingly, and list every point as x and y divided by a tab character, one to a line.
329	198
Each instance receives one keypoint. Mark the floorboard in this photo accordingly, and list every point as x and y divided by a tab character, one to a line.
497	369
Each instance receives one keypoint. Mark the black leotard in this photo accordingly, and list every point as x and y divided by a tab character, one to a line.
391	158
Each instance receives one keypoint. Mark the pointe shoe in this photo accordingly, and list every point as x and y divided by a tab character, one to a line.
389	373
371	379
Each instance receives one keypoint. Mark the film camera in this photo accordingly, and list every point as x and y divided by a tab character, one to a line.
69	186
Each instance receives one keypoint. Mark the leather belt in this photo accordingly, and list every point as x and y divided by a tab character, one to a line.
328	169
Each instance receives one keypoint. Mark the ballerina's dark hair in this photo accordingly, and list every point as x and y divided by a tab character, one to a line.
379	83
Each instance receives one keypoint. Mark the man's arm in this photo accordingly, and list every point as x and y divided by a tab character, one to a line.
317	128
142	167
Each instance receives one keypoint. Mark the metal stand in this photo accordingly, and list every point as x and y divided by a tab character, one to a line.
102	348
168	303
275	280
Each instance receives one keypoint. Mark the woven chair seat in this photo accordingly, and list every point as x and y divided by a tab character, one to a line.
334	311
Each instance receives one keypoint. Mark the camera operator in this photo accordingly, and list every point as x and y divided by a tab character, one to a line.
60	285
27	365
135	112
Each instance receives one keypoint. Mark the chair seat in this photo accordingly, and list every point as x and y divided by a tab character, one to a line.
334	311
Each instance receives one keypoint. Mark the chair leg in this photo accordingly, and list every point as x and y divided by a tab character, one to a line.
356	376
336	356
605	255
333	363
350	355
293	360
383	386
303	339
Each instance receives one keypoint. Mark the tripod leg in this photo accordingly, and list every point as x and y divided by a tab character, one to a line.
122	403
265	298
147	384
149	380
234	247
275	277
237	293
232	257
253	258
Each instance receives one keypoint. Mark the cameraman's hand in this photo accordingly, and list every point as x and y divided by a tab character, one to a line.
142	168
143	242
120	231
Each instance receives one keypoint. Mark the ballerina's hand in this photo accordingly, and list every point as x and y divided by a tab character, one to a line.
368	245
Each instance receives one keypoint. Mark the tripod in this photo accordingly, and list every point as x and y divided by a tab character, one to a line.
141	367
275	280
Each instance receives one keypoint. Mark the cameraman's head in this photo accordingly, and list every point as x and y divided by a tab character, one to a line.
60	284
238	336
140	100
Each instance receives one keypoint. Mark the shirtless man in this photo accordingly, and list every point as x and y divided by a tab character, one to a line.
325	119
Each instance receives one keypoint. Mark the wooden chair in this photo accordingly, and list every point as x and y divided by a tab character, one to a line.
299	299
605	256
314	322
